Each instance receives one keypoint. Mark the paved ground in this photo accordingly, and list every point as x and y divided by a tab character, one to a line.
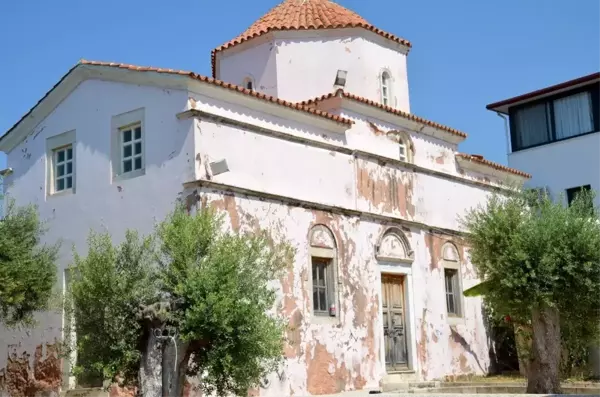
365	393
404	394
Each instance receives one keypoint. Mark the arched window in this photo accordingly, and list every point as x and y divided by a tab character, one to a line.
249	83
452	282
323	262
386	88
405	144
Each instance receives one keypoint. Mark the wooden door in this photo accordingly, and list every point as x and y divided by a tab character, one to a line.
394	331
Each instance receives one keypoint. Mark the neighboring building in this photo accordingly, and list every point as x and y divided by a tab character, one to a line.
308	133
555	136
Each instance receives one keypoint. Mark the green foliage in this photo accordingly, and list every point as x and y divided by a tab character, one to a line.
533	251
108	285
27	268
222	281
214	288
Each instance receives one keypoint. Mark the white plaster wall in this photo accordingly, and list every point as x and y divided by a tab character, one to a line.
257	61
273	120
99	204
441	201
277	166
307	63
562	165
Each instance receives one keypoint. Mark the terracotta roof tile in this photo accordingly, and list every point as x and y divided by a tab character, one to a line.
304	15
481	160
388	109
210	80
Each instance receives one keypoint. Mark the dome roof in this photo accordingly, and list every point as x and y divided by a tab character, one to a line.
305	15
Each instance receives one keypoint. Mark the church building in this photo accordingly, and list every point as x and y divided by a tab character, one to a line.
305	129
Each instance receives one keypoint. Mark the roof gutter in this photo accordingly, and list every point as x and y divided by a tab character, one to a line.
506	131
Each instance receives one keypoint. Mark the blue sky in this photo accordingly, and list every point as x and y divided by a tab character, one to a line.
465	54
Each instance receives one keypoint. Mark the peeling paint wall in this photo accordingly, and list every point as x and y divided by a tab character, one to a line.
356	196
446	349
427	151
321	358
343	356
32	375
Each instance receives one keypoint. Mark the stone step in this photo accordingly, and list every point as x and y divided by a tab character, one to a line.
497	389
407	386
475	384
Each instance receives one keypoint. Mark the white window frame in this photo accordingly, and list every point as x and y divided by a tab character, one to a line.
134	139
385	81
57	164
120	124
403	151
55	145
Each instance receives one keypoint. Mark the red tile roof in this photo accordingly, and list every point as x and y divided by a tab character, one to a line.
479	159
305	15
388	109
209	80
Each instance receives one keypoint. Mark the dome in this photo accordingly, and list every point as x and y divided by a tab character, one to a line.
307	15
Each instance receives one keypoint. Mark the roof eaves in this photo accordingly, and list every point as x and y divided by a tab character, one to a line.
193	75
242	39
544	91
388	109
497	166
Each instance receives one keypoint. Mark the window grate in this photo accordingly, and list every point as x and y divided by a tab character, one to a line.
451	281
323	295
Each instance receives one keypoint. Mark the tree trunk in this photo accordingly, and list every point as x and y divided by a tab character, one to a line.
174	367
543	371
150	369
164	366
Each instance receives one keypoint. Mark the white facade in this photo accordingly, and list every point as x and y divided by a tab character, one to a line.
562	165
385	187
297	66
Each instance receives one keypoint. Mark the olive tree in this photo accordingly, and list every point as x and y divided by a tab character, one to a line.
190	300
27	267
540	260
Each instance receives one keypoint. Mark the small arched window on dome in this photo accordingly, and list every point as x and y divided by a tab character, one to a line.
386	88
249	83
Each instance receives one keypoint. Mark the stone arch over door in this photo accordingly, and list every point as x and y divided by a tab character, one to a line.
393	246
